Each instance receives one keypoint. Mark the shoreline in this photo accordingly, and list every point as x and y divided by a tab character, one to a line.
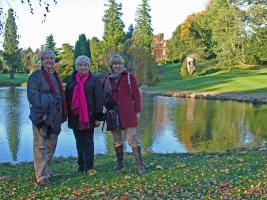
223	96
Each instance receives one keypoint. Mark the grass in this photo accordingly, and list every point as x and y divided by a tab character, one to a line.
231	175
20	78
237	80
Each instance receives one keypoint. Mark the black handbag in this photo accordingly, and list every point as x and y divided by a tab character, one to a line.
112	118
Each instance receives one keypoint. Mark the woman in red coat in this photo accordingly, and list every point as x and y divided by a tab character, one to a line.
122	97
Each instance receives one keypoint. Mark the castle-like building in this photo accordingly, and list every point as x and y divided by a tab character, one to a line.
159	48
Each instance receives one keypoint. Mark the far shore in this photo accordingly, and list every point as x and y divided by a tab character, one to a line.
223	96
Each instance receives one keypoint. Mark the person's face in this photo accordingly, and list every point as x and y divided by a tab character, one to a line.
48	61
117	67
82	68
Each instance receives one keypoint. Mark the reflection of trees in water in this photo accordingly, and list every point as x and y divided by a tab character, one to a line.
12	112
255	117
146	124
213	125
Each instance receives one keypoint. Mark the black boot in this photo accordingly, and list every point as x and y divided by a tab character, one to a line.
119	154
138	159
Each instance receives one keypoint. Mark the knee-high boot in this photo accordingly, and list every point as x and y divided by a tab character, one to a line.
138	159
119	154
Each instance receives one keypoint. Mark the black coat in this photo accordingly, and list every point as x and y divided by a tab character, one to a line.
94	99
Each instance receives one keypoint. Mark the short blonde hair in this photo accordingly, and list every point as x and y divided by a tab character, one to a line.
82	59
116	58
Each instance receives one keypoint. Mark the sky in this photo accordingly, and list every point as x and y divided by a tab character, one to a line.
70	18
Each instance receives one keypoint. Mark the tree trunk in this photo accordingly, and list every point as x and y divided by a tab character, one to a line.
11	74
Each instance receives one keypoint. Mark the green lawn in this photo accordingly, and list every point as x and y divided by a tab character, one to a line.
19	79
237	80
232	175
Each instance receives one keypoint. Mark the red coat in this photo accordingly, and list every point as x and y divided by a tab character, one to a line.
128	104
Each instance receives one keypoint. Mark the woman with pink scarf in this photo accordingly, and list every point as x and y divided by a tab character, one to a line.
84	96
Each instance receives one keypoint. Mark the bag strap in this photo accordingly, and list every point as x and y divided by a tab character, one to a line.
129	83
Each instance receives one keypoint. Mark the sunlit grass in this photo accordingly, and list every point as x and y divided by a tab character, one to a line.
237	80
19	79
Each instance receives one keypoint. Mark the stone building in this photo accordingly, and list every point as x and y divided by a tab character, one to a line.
159	48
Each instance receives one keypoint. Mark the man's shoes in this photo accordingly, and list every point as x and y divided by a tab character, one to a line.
44	182
53	175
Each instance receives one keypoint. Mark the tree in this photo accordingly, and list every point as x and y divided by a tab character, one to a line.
225	21
26	58
129	33
255	18
50	43
114	35
96	54
66	59
143	33
11	53
82	46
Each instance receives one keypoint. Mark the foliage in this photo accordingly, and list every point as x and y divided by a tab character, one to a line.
143	32
129	33
96	55
114	35
146	70
225	21
11	52
50	43
235	175
26	60
66	60
82	47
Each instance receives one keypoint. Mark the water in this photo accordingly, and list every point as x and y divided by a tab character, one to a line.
167	125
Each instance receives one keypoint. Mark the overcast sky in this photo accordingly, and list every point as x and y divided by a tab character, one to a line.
69	18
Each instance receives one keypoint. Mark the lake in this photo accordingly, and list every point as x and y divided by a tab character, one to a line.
167	125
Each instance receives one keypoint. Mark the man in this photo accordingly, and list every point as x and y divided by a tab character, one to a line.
47	112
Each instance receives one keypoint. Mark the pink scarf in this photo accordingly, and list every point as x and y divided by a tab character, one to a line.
78	104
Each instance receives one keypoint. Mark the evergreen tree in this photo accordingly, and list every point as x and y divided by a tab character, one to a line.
143	34
114	35
82	47
11	53
50	43
96	54
129	33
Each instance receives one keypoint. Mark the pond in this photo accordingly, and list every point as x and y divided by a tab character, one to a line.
167	125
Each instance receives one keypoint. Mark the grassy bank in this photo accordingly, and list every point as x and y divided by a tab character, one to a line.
232	175
237	80
19	79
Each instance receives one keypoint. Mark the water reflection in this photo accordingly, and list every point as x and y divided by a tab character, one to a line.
167	125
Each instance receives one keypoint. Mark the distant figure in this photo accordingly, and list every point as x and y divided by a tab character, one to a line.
85	100
47	112
191	65
123	104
